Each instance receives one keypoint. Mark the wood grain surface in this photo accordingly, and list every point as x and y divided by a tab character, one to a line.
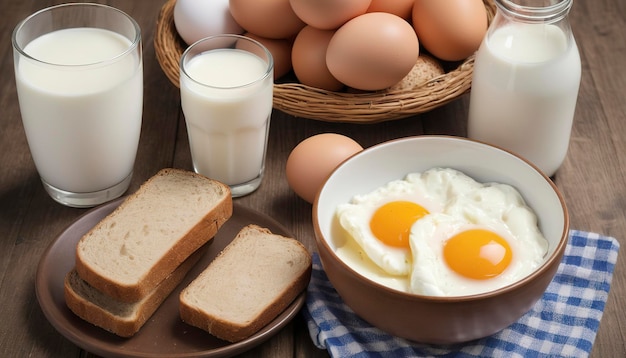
592	179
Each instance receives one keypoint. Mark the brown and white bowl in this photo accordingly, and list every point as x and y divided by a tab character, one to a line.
430	319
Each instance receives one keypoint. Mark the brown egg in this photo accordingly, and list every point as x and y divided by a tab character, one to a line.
451	30
280	50
313	159
328	14
308	57
402	8
372	51
272	19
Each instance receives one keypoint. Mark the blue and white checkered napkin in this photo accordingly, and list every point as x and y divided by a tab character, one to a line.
563	323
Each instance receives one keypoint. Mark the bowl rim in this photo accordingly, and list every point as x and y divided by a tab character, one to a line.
511	288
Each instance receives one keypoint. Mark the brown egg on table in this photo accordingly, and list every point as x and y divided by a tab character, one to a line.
308	57
280	50
312	160
273	19
373	51
402	8
328	14
451	30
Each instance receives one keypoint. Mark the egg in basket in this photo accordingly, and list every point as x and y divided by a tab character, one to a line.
360	61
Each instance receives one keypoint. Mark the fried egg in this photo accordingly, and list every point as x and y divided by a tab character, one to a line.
467	251
463	237
380	222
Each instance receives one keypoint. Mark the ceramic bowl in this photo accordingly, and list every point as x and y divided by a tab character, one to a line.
428	319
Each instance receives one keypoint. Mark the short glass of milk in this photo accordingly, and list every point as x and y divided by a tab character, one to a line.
226	86
79	77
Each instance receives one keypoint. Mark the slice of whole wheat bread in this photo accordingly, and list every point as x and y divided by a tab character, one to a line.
121	318
247	285
152	232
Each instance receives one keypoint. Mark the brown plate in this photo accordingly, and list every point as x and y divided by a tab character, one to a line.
164	334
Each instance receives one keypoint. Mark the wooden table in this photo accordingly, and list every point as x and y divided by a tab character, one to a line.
591	179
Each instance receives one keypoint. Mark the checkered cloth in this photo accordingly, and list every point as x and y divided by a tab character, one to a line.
563	323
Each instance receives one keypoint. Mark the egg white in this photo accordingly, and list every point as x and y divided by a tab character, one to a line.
355	217
498	208
352	254
456	202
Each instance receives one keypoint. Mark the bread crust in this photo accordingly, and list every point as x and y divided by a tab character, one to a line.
202	232
233	331
115	322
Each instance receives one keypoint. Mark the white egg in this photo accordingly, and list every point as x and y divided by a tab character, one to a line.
197	19
456	204
355	218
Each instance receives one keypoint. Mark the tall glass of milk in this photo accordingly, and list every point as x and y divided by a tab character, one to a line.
79	77
525	82
226	87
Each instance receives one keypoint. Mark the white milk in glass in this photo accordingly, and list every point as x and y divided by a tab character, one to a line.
82	122
524	91
227	111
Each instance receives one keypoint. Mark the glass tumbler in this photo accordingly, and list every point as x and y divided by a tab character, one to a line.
226	87
79	77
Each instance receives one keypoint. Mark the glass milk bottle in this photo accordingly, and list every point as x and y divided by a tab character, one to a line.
525	81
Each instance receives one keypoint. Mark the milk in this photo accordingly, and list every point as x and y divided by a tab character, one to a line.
227	111
82	122
524	90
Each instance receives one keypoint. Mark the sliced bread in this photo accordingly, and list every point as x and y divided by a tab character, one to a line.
247	285
129	252
121	318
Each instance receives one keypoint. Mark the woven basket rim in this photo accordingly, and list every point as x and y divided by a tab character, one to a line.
313	103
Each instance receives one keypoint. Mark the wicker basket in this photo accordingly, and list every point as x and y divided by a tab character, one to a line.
313	103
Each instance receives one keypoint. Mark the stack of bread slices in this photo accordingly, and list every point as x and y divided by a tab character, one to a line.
133	259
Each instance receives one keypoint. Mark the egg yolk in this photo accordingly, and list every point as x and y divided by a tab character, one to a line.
391	223
477	254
